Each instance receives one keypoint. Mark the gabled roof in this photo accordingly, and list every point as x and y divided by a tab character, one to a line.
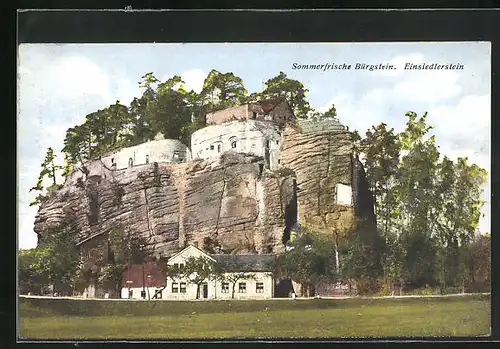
236	263
190	247
269	104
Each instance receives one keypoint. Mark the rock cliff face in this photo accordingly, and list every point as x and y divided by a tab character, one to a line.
231	201
232	204
321	158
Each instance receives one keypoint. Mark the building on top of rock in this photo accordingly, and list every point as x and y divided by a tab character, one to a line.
277	110
157	150
255	128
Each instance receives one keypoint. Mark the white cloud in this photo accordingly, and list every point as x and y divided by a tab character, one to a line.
462	128
75	75
125	91
194	80
399	63
428	86
469	119
64	78
53	96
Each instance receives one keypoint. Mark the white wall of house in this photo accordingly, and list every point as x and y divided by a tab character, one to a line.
182	289
260	287
136	292
251	137
164	150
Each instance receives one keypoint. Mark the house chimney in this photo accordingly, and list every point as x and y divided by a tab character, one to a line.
195	244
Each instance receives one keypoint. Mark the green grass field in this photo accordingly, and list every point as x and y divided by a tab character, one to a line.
467	315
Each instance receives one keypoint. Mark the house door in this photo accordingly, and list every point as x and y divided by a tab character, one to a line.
205	290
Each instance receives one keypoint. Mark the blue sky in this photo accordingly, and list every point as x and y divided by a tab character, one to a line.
61	83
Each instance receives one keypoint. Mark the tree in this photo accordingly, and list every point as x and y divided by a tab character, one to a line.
197	270
458	194
33	271
414	194
77	148
58	257
479	264
53	262
292	90
141	123
118	121
222	90
122	251
169	112
228	272
381	152
49	169
329	114
362	261
312	259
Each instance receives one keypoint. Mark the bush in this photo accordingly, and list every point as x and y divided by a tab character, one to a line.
367	286
452	290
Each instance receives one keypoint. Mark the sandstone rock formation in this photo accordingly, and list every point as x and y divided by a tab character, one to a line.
232	203
320	153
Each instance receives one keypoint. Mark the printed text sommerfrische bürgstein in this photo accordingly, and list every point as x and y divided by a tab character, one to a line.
380	66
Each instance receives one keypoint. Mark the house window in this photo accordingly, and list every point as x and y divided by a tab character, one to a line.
254	115
181	267
147	159
233	141
259	287
218	148
175	287
242	287
225	287
183	287
130	293
176	266
130	162
211	147
277	142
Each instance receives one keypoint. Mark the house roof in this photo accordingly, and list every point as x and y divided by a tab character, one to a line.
268	105
243	263
191	247
135	274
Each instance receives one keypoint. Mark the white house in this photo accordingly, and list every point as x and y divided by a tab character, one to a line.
250	276
158	150
254	128
256	137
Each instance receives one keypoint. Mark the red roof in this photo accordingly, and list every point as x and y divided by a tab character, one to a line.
269	104
135	274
